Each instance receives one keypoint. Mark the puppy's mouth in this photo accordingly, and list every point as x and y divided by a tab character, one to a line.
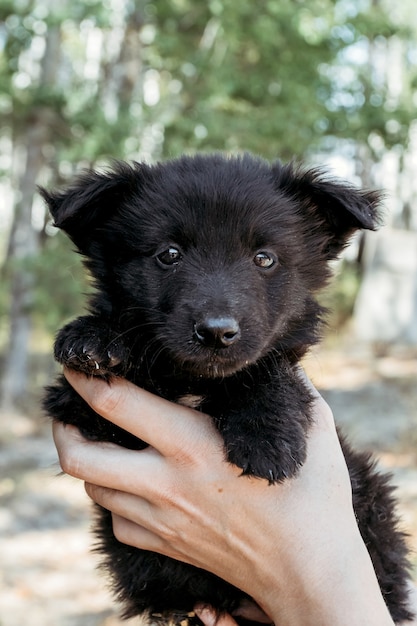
215	366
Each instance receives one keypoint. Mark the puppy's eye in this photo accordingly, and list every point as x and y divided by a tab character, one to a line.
265	260
170	256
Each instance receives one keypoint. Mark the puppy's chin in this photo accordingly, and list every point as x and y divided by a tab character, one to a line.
213	367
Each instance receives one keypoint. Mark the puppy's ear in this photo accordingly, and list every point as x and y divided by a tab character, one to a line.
92	199
338	208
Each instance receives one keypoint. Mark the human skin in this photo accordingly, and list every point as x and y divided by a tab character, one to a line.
180	497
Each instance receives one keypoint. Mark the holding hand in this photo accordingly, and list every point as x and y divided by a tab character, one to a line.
294	547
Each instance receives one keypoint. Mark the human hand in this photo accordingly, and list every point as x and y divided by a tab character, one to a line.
294	547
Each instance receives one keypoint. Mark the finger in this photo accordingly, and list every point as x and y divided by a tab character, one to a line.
249	610
210	617
126	505
134	521
138	522
105	464
139	512
132	534
138	536
74	450
165	425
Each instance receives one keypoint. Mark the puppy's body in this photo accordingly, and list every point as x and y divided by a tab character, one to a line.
206	271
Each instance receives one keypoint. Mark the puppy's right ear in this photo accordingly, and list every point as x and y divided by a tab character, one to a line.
92	199
334	209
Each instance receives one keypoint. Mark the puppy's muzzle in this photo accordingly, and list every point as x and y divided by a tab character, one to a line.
217	332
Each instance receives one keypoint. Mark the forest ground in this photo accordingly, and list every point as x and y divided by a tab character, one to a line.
48	573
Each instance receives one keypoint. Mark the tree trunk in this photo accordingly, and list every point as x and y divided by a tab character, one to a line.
386	307
23	245
24	239
123	73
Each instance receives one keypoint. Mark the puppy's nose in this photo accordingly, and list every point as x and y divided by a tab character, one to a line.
217	332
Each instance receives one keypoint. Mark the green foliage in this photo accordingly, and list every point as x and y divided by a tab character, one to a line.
59	279
246	79
61	283
274	77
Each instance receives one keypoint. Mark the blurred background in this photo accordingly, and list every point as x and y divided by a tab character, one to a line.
330	82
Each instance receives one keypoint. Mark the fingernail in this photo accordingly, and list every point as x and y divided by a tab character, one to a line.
206	613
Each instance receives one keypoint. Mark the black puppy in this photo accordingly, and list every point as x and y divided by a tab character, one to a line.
206	270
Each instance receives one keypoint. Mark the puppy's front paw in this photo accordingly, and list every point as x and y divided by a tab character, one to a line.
263	459
89	347
87	356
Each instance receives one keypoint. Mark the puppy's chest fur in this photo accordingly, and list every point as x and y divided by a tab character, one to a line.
207	270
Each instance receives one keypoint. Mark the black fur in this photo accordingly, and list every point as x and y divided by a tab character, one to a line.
206	270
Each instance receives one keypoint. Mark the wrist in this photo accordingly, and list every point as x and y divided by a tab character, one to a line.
333	587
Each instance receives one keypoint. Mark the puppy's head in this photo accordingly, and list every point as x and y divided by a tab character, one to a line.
214	260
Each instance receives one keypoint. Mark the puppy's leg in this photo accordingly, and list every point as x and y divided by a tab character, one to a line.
89	345
265	431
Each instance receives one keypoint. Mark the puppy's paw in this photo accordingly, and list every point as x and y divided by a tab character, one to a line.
88	356
264	460
89	346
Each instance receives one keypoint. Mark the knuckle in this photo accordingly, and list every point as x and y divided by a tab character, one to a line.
166	533
105	400
92	491
70	462
119	529
72	451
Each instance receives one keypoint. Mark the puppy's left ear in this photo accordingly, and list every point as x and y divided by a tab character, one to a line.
337	208
93	199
